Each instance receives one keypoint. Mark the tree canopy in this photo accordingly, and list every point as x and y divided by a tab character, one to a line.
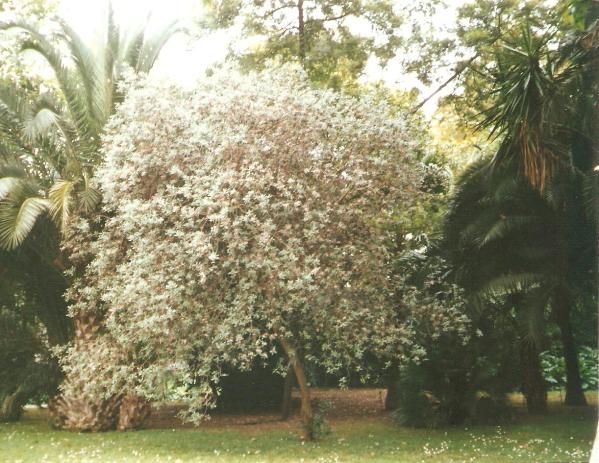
331	39
247	217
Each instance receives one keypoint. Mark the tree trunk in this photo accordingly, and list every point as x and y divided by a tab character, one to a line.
534	386
392	383
306	408
133	412
574	393
286	402
11	408
301	31
79	413
592	14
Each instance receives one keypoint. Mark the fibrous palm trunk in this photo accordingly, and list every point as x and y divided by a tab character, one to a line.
133	412
534	386
77	411
80	412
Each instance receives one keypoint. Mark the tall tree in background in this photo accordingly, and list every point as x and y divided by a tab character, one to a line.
320	34
467	51
545	113
540	110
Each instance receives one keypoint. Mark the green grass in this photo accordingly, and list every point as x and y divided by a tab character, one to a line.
561	436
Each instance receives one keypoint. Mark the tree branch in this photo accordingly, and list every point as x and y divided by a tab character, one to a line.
274	10
458	71
334	18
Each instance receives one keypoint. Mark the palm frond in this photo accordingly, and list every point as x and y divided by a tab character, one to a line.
505	226
90	76
153	45
45	112
19	213
8	184
14	110
533	319
41	124
89	197
111	61
132	52
13	104
61	198
529	106
512	283
61	138
40	44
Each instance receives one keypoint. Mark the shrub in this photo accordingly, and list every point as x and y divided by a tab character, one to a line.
466	350
246	218
554	370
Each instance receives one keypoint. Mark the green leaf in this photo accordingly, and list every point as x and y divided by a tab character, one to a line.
61	201
19	213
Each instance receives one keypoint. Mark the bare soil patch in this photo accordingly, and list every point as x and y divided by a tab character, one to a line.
346	405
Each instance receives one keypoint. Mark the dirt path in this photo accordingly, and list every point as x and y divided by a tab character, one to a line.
346	405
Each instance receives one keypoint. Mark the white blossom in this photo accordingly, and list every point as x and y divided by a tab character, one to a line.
249	210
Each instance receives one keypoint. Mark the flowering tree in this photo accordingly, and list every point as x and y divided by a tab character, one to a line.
244	218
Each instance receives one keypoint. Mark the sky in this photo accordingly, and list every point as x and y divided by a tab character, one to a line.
185	61
180	60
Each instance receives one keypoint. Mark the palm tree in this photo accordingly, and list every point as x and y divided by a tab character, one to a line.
49	147
65	131
506	238
544	114
535	88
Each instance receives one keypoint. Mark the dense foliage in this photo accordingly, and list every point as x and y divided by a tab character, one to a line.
246	217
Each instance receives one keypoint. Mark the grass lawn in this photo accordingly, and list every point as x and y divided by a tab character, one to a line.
563	435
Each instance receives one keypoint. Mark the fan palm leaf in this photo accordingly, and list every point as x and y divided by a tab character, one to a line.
88	197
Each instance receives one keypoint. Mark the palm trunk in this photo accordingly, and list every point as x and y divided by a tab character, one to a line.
79	412
133	412
306	403
75	410
574	393
534	386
